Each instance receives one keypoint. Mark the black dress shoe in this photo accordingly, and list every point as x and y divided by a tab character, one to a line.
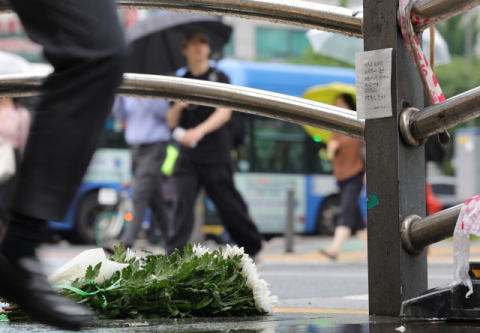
27	286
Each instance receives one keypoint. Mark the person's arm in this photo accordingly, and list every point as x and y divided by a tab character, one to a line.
333	145
216	120
118	109
174	113
23	130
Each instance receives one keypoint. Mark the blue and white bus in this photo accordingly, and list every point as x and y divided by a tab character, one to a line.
276	153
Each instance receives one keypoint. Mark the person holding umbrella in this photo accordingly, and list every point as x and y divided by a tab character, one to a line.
155	43
205	158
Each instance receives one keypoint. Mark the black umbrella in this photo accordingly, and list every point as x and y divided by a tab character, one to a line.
155	43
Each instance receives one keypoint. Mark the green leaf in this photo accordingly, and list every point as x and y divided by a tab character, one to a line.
92	273
207	300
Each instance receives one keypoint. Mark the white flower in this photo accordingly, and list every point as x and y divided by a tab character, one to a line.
199	250
246	260
252	280
130	254
262	297
261	294
248	269
234	251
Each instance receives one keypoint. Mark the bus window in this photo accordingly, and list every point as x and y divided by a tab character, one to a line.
276	146
315	164
281	147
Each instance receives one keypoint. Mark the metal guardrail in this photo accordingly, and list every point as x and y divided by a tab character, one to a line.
432	12
417	232
293	12
255	101
417	125
297	12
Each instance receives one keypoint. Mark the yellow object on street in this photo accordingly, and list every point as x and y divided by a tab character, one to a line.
327	94
216	230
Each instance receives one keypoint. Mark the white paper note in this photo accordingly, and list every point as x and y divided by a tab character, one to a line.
373	71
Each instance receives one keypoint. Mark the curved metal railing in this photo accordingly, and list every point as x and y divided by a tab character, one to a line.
255	101
294	12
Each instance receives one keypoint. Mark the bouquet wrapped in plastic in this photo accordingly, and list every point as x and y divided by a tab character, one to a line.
198	284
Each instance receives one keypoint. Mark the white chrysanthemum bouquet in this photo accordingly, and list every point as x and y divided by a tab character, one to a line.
198	284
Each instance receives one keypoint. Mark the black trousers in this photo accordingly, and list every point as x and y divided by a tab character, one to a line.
218	181
84	42
350	214
147	161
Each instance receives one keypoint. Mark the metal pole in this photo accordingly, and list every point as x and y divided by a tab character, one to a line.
417	233
256	101
294	12
197	235
289	230
431	12
437	118
395	173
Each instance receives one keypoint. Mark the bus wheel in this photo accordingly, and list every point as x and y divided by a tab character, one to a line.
87	213
327	216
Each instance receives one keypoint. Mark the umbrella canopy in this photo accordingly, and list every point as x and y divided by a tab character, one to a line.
327	94
343	48
155	43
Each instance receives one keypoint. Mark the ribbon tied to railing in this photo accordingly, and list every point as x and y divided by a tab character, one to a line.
429	81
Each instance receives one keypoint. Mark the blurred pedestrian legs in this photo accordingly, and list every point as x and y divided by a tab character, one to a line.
148	136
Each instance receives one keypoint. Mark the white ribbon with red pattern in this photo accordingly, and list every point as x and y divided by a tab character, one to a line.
432	82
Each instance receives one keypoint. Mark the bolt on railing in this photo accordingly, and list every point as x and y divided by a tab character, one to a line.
256	101
417	125
417	232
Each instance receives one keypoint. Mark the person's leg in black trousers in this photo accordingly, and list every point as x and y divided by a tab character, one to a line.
218	181
350	220
84	42
159	216
186	185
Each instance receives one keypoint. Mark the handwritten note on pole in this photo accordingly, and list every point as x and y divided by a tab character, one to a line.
373	71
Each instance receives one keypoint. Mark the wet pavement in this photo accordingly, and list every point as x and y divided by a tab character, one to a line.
315	294
280	322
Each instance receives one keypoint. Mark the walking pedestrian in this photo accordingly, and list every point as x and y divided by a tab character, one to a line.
14	126
205	158
84	42
148	135
349	170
